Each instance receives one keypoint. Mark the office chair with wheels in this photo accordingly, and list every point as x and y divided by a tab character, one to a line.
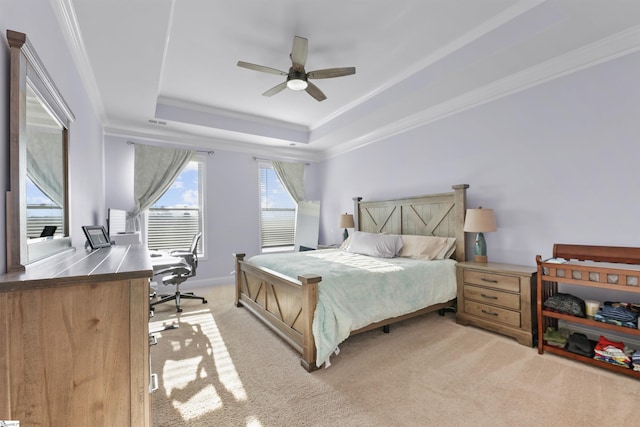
176	274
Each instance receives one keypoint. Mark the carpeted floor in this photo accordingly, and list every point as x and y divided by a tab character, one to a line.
221	367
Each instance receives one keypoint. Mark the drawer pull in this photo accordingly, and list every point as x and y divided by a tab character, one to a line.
154	383
488	296
484	279
489	313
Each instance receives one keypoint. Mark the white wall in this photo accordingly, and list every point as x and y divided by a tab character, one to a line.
36	18
558	163
231	198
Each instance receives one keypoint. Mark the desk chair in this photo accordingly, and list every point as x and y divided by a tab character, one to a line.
178	273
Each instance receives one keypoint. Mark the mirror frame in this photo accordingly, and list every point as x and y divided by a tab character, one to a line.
26	66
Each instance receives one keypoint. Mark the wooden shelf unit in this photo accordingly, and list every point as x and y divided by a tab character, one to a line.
604	267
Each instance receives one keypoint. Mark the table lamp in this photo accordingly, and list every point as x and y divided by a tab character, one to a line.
480	221
346	221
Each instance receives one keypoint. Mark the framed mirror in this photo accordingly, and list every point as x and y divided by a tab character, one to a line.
37	199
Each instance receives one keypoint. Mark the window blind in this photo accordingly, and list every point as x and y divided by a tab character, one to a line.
277	211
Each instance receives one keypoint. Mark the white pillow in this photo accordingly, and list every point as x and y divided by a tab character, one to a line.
427	247
449	250
373	244
344	245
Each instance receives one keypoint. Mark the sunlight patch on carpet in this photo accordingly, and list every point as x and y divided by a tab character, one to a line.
199	369
253	422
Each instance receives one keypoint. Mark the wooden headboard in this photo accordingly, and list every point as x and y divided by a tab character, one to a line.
431	215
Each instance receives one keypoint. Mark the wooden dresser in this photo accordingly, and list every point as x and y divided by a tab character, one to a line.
499	298
74	340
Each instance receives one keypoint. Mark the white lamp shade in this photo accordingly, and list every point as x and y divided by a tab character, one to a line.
346	221
480	221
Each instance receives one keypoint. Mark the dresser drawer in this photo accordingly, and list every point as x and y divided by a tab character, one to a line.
494	314
491	296
498	281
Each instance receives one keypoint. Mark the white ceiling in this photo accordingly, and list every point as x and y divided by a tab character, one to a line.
166	69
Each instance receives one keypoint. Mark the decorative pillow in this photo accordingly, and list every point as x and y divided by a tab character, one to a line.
427	247
373	244
449	249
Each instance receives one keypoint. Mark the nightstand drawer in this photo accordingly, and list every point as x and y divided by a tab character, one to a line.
491	296
494	314
498	281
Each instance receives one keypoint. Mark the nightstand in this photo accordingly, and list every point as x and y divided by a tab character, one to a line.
498	298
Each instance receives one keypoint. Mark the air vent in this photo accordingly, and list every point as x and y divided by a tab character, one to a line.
157	122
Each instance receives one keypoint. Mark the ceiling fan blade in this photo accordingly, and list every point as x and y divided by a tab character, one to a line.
276	89
331	72
299	51
261	68
315	92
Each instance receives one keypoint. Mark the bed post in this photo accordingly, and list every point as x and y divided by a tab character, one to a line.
356	212
309	302
239	257
460	200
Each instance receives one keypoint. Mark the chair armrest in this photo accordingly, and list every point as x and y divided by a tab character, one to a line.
187	256
179	253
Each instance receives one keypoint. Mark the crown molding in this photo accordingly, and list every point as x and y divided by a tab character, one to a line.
66	15
466	39
601	51
163	135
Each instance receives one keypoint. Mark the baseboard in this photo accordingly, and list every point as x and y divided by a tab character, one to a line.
201	283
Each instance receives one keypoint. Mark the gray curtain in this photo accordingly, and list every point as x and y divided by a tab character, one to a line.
155	170
292	177
44	164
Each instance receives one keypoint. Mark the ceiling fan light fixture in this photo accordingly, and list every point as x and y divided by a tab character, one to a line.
297	84
297	77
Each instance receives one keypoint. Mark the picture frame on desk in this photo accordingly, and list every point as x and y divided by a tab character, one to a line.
96	236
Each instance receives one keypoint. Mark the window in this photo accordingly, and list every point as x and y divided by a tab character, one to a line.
41	211
277	211
176	216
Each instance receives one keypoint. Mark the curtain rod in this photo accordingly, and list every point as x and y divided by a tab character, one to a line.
270	160
197	151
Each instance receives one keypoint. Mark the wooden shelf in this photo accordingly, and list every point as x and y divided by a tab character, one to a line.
603	267
590	361
590	322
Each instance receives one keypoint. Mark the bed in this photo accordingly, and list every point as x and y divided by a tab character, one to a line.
296	297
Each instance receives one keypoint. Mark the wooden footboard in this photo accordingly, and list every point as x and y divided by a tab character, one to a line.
287	305
284	304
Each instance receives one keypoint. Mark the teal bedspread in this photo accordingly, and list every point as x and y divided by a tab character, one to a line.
357	290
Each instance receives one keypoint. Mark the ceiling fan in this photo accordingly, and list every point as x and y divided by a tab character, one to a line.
297	77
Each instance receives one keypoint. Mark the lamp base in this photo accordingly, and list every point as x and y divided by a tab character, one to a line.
480	249
480	259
